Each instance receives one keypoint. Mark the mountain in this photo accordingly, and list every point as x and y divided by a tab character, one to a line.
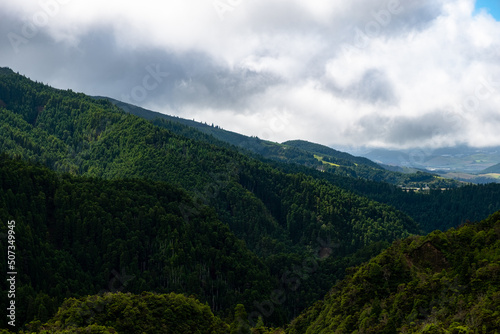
440	283
432	209
331	153
291	150
187	170
298	152
106	201
270	218
73	133
493	169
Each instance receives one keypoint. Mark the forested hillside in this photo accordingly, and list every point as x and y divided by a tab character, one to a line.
105	201
73	133
441	283
433	209
284	218
128	313
295	151
78	236
334	155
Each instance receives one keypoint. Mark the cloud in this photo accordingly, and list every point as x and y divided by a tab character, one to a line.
376	73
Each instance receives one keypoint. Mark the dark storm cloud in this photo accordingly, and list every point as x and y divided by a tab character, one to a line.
374	87
97	64
416	15
431	128
387	19
414	130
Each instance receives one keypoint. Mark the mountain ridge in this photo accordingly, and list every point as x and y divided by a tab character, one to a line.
299	152
78	158
325	150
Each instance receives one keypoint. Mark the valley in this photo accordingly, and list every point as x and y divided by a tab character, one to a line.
463	163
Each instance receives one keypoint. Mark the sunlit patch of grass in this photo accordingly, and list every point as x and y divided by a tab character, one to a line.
319	158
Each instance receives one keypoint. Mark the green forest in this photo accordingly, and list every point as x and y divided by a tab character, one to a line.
131	224
440	283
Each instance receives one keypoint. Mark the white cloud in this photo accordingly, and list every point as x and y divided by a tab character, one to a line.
336	72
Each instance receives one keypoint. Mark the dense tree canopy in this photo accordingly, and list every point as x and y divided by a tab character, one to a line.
442	283
105	201
78	236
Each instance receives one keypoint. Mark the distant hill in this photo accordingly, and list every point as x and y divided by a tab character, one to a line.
493	169
233	138
330	152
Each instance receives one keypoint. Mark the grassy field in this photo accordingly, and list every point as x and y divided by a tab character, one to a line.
326	162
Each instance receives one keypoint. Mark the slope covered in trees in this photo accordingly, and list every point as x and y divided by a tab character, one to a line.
433	210
441	283
128	313
169	211
78	236
296	151
436	209
284	218
74	133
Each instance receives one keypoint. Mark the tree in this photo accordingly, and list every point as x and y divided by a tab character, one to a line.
240	323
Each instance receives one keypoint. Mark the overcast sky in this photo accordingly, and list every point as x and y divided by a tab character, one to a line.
386	73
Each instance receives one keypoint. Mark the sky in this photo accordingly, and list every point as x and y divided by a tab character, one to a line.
371	73
491	6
